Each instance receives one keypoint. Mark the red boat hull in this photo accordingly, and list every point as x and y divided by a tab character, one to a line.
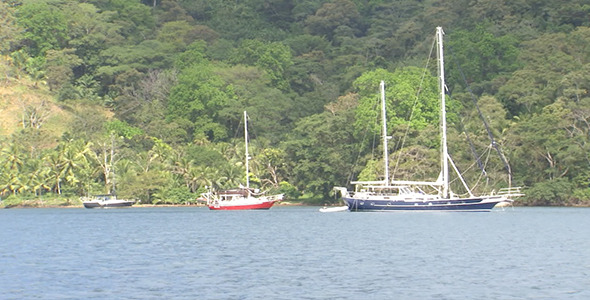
264	205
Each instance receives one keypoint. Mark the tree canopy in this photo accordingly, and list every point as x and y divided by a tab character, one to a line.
156	89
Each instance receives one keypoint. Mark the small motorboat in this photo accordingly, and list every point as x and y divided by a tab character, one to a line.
334	208
106	201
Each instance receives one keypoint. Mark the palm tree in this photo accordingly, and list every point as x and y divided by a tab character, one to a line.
53	163
12	156
16	184
198	176
5	178
231	175
38	177
66	163
73	158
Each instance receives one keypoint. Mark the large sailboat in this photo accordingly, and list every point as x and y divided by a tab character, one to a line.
399	195
243	197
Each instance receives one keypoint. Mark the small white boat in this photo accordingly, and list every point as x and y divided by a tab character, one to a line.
106	201
334	208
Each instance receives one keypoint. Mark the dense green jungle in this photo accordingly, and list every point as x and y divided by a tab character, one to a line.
146	98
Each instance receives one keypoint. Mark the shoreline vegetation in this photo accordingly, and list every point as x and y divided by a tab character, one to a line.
77	203
155	90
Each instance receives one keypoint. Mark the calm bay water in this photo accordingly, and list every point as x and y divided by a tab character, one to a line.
293	253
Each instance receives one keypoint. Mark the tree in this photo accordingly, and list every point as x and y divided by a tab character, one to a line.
46	27
90	31
322	152
38	178
481	56
198	98
332	15
9	30
134	19
59	65
104	154
241	19
545	61
12	157
179	34
274	58
268	108
34	115
65	164
538	140
411	95
124	66
273	162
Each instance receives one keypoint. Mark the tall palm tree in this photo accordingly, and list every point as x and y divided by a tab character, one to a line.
12	156
73	158
231	175
53	163
5	178
38	177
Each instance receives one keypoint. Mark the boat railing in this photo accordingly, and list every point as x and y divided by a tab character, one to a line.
511	192
416	183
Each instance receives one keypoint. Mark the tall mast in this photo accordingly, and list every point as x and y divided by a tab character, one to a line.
112	163
247	155
443	116
385	137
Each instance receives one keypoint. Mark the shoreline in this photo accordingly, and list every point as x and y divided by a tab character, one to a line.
69	203
40	204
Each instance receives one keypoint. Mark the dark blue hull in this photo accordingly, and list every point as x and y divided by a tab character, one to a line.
469	204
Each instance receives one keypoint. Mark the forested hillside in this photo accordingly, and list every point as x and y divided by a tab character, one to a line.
150	95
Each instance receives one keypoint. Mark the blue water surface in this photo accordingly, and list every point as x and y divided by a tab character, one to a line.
293	253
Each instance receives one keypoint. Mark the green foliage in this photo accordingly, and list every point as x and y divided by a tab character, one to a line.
174	77
268	108
134	20
541	147
322	146
90	31
45	25
123	129
147	186
481	55
242	20
549	193
176	33
9	30
371	171
539	82
59	66
411	96
198	98
290	191
177	195
193	55
274	58
334	15
120	61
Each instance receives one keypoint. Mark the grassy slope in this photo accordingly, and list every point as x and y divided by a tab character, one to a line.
17	95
